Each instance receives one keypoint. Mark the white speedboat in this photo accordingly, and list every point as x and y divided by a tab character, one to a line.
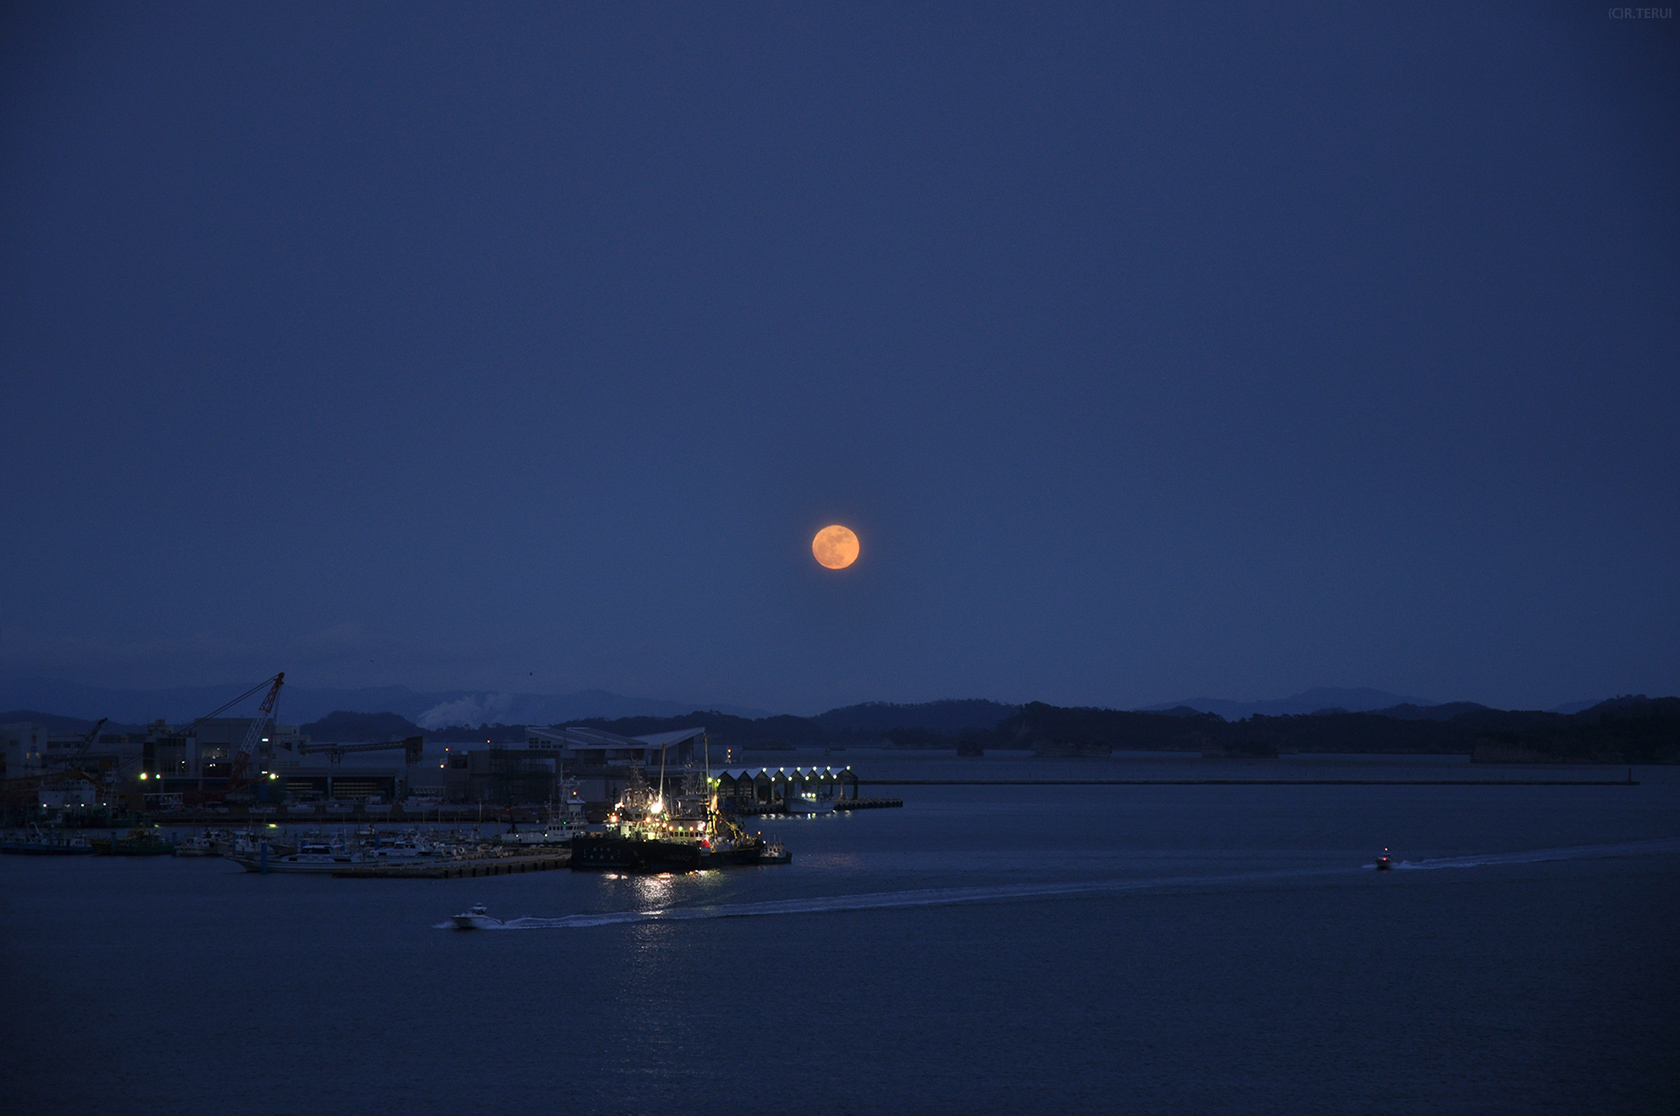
476	917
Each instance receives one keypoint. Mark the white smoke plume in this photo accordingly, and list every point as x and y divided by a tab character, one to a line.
474	709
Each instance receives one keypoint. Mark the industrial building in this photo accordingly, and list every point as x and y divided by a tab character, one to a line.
168	768
599	763
206	753
590	750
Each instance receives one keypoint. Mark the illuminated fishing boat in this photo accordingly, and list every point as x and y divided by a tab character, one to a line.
645	833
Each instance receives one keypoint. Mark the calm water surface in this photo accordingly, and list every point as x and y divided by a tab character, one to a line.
985	949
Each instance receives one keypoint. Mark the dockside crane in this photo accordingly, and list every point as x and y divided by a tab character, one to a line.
87	741
238	773
77	765
267	712
25	788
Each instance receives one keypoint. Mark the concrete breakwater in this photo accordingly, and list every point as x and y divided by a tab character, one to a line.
1629	781
457	869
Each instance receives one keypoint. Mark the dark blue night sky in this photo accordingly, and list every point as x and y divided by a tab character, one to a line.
1151	351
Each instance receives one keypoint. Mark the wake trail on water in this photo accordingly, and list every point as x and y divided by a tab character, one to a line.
1004	893
887	900
1538	856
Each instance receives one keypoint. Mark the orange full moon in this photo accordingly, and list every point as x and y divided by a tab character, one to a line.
835	547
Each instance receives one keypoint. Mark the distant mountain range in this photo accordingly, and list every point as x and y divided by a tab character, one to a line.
1308	701
949	716
302	704
1630	729
1325	699
74	707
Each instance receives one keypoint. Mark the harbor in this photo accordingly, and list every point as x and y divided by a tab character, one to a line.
576	798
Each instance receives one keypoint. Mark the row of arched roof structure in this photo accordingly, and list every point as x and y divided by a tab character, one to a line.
747	787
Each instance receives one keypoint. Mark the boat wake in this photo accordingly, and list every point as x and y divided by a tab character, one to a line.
1005	893
887	900
1538	856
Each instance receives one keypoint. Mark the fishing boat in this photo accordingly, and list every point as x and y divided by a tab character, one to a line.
198	845
550	835
404	847
139	842
1382	862
311	859
40	843
476	917
565	821
808	804
226	843
645	833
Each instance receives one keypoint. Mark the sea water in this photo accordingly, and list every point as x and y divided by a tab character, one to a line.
1155	948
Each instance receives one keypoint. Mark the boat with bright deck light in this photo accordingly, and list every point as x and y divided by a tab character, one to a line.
645	834
807	804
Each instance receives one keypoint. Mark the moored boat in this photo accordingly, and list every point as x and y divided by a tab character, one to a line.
807	804
199	845
139	842
40	843
311	859
554	833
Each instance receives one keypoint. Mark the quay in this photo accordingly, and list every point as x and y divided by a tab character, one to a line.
778	809
1628	782
867	803
457	869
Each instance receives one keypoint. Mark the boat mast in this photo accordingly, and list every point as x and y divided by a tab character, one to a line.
662	751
